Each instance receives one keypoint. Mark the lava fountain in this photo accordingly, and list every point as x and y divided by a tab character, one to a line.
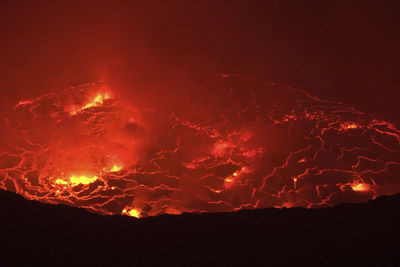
252	145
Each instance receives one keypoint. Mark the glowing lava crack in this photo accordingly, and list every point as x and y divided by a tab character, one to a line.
254	145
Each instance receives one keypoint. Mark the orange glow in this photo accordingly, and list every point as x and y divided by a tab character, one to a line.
173	211
119	157
76	180
131	212
61	181
96	101
362	187
228	180
286	205
349	125
116	168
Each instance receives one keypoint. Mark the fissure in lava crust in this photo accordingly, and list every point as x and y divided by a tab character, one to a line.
251	145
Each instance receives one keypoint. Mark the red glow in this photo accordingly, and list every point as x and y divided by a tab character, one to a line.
360	187
94	101
221	148
87	147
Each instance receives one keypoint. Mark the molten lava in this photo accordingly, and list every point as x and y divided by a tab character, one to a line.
96	101
253	145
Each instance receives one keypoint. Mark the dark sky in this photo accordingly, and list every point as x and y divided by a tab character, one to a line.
339	50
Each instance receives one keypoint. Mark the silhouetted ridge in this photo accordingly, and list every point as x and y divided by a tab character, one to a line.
37	233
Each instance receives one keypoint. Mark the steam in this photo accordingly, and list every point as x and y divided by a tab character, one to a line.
144	144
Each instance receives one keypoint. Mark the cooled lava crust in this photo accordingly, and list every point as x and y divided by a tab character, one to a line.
238	144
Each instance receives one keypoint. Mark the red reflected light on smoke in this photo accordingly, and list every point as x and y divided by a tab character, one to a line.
254	145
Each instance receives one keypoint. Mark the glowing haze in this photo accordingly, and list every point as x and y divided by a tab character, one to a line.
251	145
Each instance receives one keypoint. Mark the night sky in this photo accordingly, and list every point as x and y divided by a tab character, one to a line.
339	50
